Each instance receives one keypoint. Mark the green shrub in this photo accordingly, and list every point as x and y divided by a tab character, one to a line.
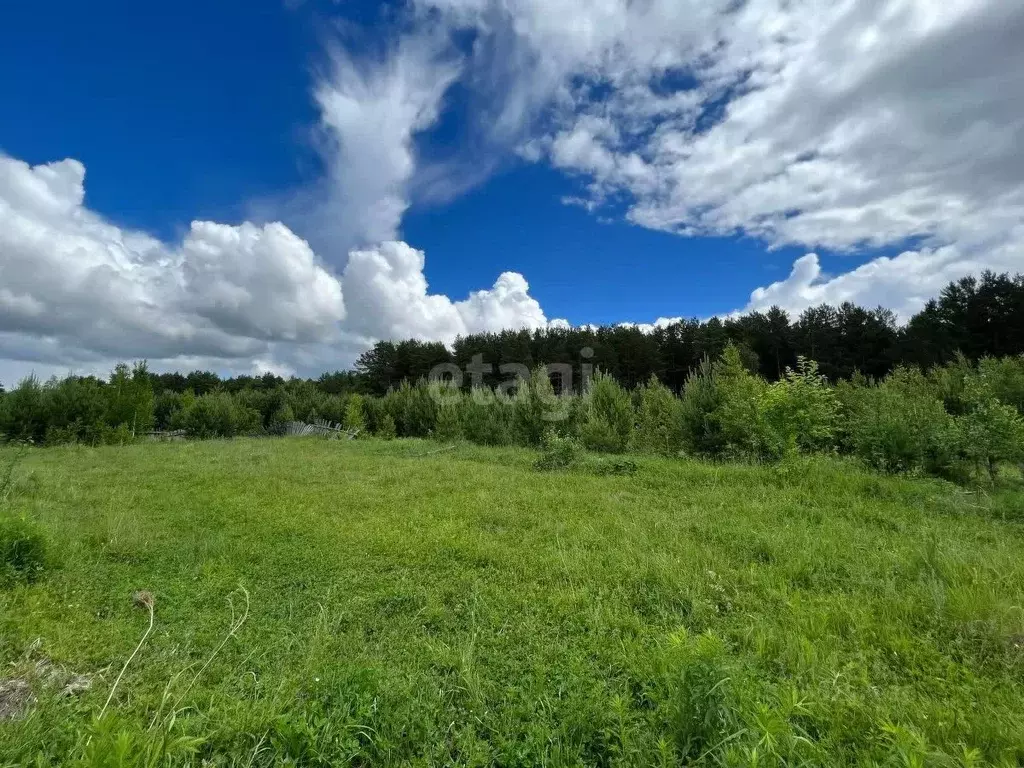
308	403
374	410
694	690
899	427
386	427
122	434
355	414
332	408
700	401
23	551
598	435
533	406
946	382
558	452
800	412
24	414
413	409
1004	380
165	406
271	404
609	418
487	418
990	432
739	417
216	415
130	398
616	467
449	418
77	410
659	420
280	419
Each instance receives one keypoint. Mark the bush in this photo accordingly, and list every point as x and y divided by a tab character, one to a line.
130	398
487	418
990	432
308	403
165	406
1004	380
23	551
413	409
333	408
700	401
616	467
449	418
945	382
659	420
899	427
800	412
599	436
534	404
76	411
739	417
355	414
558	452
279	419
608	422
374	411
24	414
386	427
216	415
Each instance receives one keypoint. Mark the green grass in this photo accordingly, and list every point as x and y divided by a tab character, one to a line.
462	608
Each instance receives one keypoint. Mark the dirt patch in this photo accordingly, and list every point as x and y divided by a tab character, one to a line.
35	673
15	698
76	684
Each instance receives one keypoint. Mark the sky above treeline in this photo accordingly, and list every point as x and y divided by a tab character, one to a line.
256	185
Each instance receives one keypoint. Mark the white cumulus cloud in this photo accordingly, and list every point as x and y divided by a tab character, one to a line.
902	283
846	126
389	297
836	126
78	292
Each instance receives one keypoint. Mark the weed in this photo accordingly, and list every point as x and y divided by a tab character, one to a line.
23	551
557	452
616	467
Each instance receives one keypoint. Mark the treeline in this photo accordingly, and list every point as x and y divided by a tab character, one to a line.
960	420
954	362
973	317
133	401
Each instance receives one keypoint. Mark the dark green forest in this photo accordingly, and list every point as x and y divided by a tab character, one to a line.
973	318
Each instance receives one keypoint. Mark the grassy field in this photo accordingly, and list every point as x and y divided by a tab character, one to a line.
410	607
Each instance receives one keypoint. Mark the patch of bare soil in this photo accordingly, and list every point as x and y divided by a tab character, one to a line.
35	673
15	698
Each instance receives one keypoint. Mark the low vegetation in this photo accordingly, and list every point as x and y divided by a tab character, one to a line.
380	602
959	421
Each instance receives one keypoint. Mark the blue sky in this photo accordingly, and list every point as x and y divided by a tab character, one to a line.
706	160
193	110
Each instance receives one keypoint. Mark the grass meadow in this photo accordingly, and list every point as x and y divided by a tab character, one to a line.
390	603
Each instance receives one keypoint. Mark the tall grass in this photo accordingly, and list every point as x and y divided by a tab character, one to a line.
410	607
